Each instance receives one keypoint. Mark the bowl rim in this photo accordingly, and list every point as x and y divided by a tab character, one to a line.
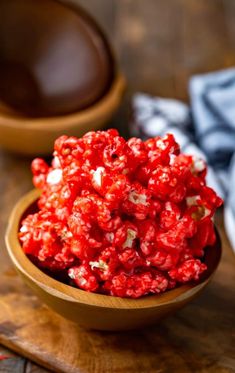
108	102
75	295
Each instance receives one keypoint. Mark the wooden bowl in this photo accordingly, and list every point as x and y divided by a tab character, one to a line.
96	311
36	135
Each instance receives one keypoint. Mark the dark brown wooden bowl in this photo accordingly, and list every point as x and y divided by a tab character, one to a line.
32	136
98	311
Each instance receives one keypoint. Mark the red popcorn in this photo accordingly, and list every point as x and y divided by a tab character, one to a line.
106	264
189	270
164	260
137	202
122	218
40	170
136	285
147	236
83	277
130	259
166	184
126	235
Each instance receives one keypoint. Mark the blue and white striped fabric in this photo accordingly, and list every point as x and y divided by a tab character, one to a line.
206	131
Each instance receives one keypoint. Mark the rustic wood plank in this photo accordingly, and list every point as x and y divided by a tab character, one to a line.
33	368
103	11
10	362
144	41
14	364
204	43
160	44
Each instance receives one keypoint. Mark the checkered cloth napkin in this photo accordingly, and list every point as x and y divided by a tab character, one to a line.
207	130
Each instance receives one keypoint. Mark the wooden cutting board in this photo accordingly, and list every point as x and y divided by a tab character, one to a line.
199	338
196	339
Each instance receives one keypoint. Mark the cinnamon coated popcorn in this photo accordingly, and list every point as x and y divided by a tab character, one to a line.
123	218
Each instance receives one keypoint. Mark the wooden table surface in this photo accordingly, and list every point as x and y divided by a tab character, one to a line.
160	44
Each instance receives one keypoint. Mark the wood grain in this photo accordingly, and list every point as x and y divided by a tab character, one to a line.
162	44
159	46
